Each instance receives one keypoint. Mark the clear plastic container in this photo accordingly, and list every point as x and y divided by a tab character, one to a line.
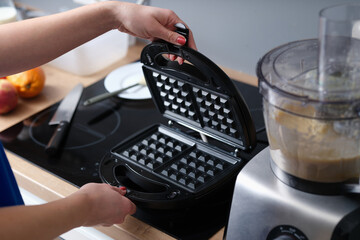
310	138
94	55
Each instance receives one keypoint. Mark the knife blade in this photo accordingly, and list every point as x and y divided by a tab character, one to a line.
62	118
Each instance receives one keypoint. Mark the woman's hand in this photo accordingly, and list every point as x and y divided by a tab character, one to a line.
105	204
150	23
93	204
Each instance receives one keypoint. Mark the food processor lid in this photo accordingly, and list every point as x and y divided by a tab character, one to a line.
292	69
290	74
197	94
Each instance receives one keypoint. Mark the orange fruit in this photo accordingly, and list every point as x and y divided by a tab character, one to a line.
29	83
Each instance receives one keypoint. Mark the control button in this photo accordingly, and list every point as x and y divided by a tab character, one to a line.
286	232
284	237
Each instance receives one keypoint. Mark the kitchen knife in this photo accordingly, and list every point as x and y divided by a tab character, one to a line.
62	118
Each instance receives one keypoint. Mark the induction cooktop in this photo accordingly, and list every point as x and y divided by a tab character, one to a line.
97	128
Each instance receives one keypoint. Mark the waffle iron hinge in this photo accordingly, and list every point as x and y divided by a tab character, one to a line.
229	146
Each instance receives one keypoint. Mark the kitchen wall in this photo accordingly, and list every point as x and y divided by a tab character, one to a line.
236	33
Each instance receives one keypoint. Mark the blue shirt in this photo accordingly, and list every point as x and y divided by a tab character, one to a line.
9	190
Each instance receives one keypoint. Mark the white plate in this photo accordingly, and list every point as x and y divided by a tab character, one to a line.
125	76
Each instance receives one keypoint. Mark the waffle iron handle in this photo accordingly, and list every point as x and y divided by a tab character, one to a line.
153	190
182	30
200	66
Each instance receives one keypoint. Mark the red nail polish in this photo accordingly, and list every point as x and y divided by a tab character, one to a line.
181	40
122	188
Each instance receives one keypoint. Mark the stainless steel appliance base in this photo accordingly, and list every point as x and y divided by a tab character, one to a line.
263	207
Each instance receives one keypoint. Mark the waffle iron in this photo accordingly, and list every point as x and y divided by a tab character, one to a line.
167	166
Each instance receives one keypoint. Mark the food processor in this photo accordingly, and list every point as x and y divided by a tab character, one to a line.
305	185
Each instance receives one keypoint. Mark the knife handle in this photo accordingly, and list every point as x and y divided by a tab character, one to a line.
107	95
57	138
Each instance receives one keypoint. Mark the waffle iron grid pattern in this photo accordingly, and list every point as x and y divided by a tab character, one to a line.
175	161
203	107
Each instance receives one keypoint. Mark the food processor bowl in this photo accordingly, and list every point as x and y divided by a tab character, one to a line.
310	137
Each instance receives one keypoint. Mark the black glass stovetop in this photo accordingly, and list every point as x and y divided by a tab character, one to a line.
97	128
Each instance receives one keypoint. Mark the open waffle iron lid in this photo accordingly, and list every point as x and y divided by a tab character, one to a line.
197	94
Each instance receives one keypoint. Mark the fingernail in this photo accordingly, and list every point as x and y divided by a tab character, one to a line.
122	188
181	40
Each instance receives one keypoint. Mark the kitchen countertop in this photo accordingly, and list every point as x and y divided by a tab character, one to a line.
49	187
